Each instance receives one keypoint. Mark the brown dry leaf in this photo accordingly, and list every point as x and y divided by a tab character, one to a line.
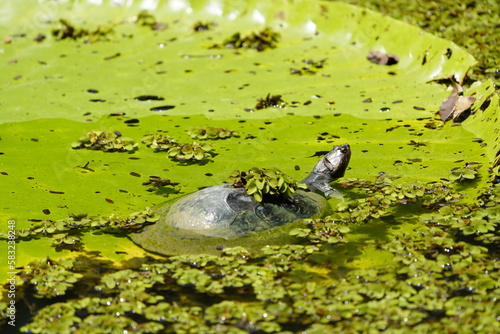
462	104
381	58
449	103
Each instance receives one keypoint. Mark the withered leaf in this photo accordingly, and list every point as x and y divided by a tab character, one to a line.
381	58
454	105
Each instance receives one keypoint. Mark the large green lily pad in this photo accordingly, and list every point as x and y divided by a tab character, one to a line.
54	91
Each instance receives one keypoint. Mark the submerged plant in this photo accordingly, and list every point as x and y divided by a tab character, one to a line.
264	183
105	141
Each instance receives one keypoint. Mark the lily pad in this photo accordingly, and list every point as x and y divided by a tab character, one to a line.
108	93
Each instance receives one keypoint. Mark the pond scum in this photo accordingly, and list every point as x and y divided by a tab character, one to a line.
443	275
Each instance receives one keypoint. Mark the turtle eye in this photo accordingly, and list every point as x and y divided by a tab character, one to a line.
345	149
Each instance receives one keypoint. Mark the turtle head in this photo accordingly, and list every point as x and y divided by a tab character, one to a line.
329	168
335	162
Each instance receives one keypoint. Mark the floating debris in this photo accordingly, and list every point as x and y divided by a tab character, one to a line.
381	58
203	26
274	101
158	182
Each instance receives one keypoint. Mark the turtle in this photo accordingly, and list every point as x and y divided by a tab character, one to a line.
228	212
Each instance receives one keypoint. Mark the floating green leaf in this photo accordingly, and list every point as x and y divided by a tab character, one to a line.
264	183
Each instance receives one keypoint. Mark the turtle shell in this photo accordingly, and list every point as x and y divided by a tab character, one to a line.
226	212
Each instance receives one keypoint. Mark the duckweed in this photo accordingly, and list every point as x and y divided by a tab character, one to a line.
384	196
441	275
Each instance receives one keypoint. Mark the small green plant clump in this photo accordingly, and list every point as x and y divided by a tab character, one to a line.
203	26
159	142
264	183
274	101
210	132
65	30
146	19
463	174
183	152
193	151
106	141
260	41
